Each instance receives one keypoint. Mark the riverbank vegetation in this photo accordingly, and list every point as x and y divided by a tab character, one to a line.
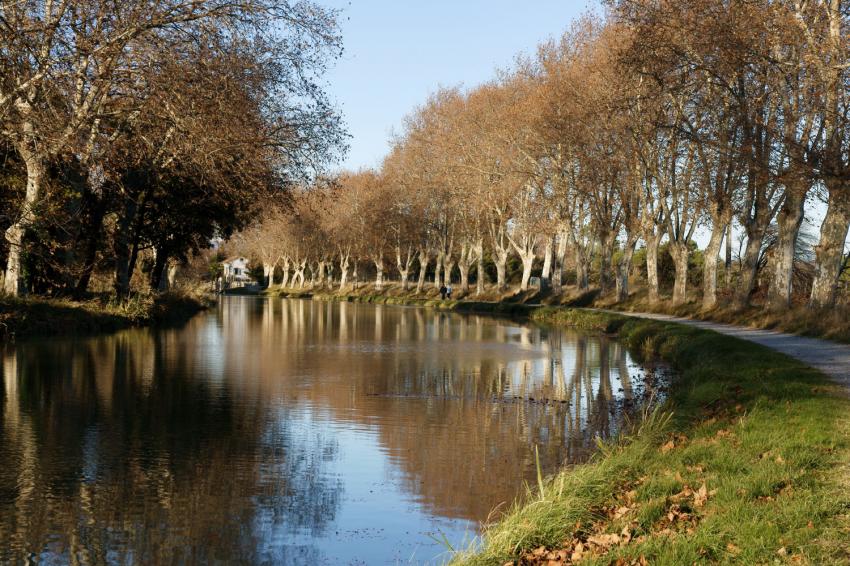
746	462
135	133
22	317
598	162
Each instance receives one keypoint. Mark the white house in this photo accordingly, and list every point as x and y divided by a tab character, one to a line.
235	270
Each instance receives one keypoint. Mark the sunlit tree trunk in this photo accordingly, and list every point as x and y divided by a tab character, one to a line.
560	262
284	269
712	255
652	244
448	267
547	258
344	264
423	268
404	265
790	219
501	261
525	249
267	274
36	170
379	272
830	249
680	254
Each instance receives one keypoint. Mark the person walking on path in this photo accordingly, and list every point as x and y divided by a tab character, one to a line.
443	291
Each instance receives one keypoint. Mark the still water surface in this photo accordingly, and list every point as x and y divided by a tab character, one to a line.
292	432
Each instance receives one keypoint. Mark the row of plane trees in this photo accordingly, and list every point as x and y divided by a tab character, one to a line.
647	126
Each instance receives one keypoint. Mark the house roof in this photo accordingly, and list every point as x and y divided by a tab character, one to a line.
234	258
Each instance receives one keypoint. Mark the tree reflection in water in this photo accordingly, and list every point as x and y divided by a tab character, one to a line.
283	431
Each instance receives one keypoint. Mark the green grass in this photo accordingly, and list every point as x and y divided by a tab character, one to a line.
768	437
33	316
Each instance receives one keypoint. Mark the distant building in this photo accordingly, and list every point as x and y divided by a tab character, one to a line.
235	271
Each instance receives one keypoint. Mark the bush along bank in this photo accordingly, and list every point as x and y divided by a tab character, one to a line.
747	463
36	317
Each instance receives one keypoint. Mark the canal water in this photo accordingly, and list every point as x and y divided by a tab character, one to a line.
293	432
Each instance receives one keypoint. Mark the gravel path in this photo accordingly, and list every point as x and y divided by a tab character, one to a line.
831	358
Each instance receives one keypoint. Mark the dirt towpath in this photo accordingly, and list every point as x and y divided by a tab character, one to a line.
831	358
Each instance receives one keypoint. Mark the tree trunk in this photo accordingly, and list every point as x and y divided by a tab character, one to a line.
284	280
464	264
479	258
94	231
652	244
173	269
582	275
547	258
606	280
830	249
527	263
13	283
379	273
267	274
343	270
329	273
299	274
749	270
121	248
448	267
790	219
728	265
438	270
560	261
624	267
501	261
160	263
423	267
680	252
712	254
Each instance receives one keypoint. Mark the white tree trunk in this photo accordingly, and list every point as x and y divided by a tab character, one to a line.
652	243
547	258
680	253
423	268
379	273
36	171
711	258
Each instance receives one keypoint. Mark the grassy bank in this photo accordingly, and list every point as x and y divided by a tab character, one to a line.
30	317
747	463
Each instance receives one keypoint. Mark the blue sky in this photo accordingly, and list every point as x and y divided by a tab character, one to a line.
397	52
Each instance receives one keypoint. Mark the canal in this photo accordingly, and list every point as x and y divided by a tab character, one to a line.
293	431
